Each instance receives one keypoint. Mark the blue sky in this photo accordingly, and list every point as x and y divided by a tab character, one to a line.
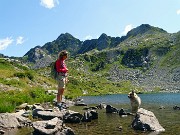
25	24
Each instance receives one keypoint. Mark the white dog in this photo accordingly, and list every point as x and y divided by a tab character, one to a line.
135	101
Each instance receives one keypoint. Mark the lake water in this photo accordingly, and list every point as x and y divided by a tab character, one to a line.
108	124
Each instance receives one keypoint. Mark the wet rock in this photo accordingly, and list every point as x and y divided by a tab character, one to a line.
66	131
146	121
122	112
120	128
94	114
80	104
90	108
111	109
72	117
101	106
90	115
87	117
176	107
161	107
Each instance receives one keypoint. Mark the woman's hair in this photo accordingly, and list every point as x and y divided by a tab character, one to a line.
62	53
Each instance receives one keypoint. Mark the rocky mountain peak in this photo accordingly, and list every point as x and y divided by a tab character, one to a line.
144	28
65	36
103	36
103	41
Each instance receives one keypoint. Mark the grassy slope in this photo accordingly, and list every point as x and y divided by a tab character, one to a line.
18	84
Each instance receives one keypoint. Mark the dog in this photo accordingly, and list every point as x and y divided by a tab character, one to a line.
135	101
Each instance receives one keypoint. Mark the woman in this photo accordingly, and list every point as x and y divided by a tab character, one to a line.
62	76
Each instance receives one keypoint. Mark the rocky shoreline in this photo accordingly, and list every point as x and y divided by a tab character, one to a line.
45	118
48	119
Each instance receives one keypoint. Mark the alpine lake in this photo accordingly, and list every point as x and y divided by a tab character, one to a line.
114	124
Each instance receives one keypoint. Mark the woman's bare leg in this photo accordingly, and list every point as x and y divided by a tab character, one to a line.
59	95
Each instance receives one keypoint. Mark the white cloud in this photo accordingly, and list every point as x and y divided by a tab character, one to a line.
178	12
49	3
88	37
20	40
127	29
4	43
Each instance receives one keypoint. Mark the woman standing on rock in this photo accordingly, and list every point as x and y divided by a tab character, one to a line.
62	76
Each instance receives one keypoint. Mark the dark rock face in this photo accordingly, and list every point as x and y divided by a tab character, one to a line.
72	117
111	109
101	43
136	58
146	121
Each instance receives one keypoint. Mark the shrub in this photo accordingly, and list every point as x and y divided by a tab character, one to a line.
20	75
29	75
23	75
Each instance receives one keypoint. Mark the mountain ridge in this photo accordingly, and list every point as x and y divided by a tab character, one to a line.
68	42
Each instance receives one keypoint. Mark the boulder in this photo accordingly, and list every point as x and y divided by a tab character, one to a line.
87	117
122	112
23	121
72	117
8	120
176	107
22	106
14	120
146	121
101	106
90	115
94	114
51	127
80	104
111	109
47	115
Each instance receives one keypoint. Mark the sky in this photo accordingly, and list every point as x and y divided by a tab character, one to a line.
25	24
